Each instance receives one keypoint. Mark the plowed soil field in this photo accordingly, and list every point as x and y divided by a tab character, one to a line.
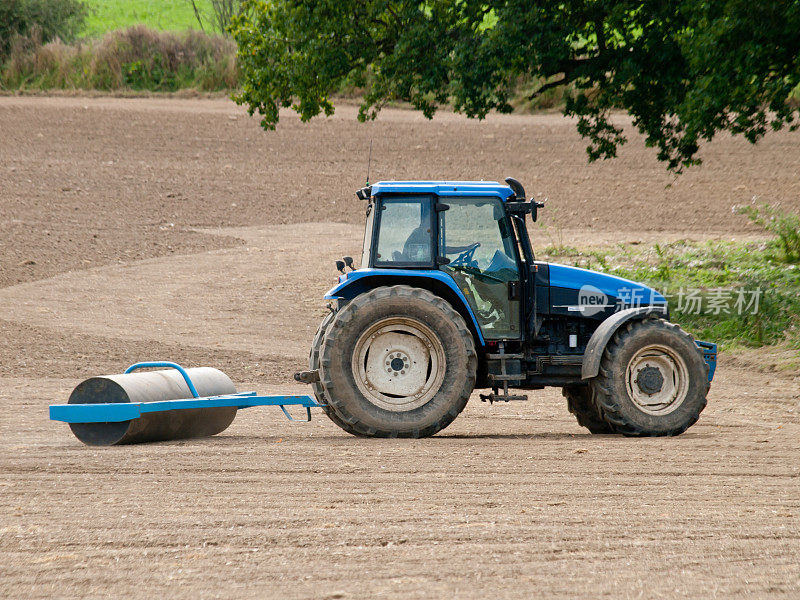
136	229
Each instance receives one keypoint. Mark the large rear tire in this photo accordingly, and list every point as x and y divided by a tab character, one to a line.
653	380
397	362
313	364
580	404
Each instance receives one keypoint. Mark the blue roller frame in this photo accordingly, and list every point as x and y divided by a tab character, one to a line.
117	412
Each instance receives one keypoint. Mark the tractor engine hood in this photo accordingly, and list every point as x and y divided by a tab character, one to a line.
579	291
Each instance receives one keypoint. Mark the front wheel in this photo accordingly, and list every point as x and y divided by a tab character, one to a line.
653	380
397	362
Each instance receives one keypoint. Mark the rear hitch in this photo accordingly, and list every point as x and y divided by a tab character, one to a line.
307	376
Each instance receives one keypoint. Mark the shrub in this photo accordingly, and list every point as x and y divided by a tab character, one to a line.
137	58
785	227
722	272
40	20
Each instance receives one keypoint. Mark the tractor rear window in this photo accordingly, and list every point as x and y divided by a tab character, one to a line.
405	234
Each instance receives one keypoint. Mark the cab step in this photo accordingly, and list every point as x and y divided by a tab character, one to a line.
504	377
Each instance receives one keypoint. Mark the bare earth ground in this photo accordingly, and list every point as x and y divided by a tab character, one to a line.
150	228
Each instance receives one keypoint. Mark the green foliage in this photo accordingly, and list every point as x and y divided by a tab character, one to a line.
716	270
162	15
785	227
42	20
220	15
684	70
561	251
131	59
717	274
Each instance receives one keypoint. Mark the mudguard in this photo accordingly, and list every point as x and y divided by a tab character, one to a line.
357	282
606	330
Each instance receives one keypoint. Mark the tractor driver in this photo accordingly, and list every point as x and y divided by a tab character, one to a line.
418	245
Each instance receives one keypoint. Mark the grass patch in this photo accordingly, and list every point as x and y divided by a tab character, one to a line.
132	59
734	294
161	15
785	228
561	251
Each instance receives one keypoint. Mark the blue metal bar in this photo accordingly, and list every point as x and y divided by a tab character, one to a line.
95	413
116	412
288	416
169	365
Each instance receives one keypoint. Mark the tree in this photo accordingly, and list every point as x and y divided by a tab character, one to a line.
221	14
684	69
42	20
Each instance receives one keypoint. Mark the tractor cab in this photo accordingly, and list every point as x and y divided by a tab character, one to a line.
466	230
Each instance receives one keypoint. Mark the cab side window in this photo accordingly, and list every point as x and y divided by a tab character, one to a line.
405	235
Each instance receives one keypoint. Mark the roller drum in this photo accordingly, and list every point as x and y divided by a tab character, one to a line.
154	386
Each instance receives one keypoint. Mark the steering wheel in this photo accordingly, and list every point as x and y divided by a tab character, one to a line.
465	259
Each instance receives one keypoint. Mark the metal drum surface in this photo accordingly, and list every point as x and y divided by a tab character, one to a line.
153	386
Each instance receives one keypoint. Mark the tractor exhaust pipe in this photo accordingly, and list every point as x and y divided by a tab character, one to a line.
516	187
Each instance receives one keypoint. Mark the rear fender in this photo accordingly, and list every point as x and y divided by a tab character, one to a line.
439	283
603	334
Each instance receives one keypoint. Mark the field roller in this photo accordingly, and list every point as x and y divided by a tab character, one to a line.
155	406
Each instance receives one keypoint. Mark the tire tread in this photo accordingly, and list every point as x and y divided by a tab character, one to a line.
344	317
603	396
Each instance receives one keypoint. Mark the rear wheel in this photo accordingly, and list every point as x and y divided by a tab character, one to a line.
313	364
653	380
580	404
397	362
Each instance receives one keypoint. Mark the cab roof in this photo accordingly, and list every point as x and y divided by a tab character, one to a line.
444	188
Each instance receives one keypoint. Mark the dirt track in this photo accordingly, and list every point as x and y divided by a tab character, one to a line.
177	229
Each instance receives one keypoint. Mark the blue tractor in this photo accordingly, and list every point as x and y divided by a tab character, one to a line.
449	297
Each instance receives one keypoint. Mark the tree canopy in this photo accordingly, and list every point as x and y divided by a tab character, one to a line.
684	69
42	19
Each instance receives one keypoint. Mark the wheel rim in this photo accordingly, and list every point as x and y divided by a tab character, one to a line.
657	380
398	364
